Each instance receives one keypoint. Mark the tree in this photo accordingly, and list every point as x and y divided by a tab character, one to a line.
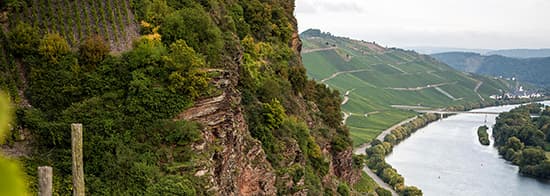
515	143
92	51
382	192
532	156
412	191
23	39
343	189
53	47
172	185
185	76
194	26
531	136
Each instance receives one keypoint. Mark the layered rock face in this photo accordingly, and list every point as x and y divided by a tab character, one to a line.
238	164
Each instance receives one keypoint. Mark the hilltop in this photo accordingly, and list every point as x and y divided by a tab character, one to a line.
379	85
531	70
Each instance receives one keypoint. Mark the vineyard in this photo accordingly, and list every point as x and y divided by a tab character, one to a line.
77	19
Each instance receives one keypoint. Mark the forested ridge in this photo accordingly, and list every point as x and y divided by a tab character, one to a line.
246	53
525	141
530	70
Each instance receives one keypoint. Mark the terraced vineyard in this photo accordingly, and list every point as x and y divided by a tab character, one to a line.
383	84
77	19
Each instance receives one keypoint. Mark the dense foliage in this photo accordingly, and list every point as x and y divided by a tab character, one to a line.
482	135
379	149
127	101
525	141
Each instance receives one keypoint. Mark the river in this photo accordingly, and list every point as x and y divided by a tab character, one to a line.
446	158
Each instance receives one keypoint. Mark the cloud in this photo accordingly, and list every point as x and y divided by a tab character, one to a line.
327	6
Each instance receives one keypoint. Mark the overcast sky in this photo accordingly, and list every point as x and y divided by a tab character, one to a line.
489	24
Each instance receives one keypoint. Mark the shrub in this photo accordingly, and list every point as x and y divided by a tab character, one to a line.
412	191
92	51
23	40
172	185
343	189
53	47
382	192
194	26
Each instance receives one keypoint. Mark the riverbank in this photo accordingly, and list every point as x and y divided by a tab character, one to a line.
445	158
387	176
400	134
522	139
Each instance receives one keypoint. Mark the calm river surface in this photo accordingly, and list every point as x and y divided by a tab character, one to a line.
445	158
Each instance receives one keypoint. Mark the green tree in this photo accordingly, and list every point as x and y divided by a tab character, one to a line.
343	189
412	191
515	143
172	185
92	51
23	40
183	64
532	156
53	47
193	25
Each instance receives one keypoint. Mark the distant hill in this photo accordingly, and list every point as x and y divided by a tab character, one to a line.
378	84
434	50
531	70
522	53
514	53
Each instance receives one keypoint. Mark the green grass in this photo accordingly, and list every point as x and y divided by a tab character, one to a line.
365	185
364	129
371	88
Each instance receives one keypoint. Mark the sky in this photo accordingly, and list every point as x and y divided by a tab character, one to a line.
487	24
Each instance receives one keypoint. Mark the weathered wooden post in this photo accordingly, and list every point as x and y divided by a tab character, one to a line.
45	181
78	165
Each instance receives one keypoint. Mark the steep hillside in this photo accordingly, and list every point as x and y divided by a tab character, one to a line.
378	84
531	70
211	99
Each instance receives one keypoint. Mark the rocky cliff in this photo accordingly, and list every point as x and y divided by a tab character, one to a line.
212	99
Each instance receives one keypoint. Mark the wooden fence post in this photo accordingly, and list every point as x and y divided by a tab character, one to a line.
45	181
78	165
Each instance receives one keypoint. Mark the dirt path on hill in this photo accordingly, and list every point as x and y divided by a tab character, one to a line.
305	51
342	72
420	87
479	83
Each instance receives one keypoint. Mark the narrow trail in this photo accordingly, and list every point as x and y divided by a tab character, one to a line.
397	68
479	83
305	51
420	87
342	72
446	94
345	118
346	97
361	151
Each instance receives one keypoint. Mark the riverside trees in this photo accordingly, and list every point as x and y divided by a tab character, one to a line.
524	140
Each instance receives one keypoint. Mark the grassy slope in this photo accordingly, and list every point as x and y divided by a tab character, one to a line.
382	69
